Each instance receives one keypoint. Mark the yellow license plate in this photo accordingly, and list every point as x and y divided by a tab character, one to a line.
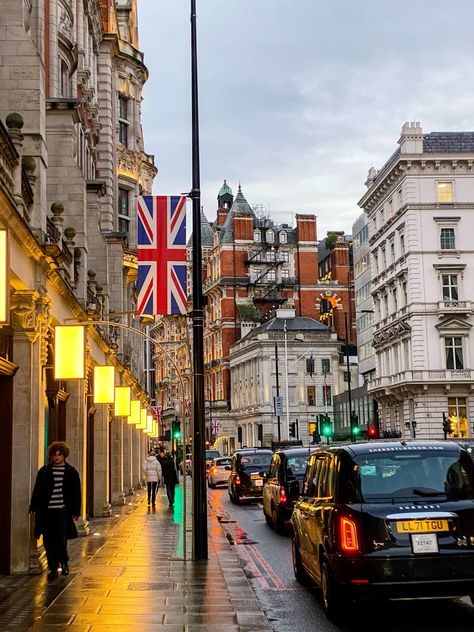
254	476
425	525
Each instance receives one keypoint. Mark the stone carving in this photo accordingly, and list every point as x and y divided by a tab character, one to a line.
30	316
27	8
66	21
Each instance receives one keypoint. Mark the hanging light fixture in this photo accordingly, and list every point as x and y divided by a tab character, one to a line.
69	352
134	417
122	401
142	424
104	384
149	424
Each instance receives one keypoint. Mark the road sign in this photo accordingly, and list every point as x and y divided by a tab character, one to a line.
278	405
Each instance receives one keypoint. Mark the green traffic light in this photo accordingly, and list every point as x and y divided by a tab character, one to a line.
327	430
355	430
177	434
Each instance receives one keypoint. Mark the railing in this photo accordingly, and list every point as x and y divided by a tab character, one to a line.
52	233
427	375
454	306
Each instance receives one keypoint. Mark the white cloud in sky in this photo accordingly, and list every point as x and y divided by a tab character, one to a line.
298	98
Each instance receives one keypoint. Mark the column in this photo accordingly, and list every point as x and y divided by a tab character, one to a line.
29	315
137	459
117	495
76	438
127	459
101	503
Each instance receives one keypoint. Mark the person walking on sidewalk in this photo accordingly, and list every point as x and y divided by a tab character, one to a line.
152	471
56	505
171	477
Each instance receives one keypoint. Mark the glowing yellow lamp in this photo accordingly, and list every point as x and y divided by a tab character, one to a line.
122	401
4	284
155	429
69	352
134	417
142	424
149	424
104	384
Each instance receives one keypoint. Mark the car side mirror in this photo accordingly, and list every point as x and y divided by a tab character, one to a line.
228	468
263	474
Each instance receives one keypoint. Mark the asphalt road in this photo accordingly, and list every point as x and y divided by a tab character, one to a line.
292	608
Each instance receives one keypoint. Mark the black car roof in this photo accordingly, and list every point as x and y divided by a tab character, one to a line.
295	451
371	447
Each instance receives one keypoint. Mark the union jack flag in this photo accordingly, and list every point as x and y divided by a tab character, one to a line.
215	426
161	255
187	407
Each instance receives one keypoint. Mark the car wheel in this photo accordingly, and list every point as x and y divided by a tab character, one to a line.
300	574
268	519
334	599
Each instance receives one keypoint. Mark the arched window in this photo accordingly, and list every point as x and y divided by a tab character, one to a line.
283	237
257	236
270	236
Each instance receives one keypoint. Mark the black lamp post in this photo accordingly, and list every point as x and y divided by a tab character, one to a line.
200	548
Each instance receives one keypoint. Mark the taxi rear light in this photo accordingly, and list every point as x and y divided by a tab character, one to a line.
237	480
359	581
283	496
348	534
215	470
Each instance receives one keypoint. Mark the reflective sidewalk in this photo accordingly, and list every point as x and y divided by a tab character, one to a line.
127	575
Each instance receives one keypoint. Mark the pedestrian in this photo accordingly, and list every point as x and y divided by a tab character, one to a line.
56	505
152	471
171	477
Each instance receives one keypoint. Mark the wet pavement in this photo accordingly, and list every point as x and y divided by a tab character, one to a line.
129	574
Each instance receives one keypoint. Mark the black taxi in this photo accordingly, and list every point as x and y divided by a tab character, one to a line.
386	519
247	473
283	484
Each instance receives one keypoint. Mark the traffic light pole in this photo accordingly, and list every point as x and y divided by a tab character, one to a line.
349	393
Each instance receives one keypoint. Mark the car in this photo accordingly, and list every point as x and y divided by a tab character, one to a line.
247	474
210	456
467	444
188	464
283	484
386	520
219	471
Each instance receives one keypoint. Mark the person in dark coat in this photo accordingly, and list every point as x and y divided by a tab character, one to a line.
56	505
170	476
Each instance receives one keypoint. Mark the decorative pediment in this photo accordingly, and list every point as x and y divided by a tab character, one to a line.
453	325
396	330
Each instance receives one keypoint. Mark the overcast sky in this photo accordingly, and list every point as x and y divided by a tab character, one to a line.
298	98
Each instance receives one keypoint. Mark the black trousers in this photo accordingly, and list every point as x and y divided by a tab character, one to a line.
152	488
55	538
170	492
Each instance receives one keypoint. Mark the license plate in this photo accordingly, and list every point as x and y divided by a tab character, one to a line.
424	542
258	483
425	525
254	476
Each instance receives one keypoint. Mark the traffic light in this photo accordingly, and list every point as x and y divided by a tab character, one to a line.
355	428
372	431
292	429
326	426
176	429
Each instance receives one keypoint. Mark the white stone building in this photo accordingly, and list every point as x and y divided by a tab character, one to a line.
66	66
420	207
253	377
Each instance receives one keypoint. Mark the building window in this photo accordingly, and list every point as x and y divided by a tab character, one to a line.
392	252
123	121
447	238
271	255
311	396
64	87
404	293
283	237
285	273
383	259
123	210
450	287
255	274
257	236
325	365
390	208
454	355
457	413
285	256
400	198
327	397
402	244
346	376
270	236
444	192
394	299
271	275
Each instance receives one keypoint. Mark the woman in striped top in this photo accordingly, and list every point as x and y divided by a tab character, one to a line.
56	504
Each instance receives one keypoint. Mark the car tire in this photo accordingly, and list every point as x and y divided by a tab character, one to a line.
333	597
268	519
301	575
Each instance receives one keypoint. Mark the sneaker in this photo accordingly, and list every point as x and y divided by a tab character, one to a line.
52	575
64	569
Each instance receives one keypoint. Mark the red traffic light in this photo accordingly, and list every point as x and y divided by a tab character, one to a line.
372	431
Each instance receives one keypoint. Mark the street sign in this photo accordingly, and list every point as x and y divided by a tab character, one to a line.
278	405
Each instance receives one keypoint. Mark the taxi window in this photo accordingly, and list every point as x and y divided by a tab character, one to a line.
326	478
296	467
254	462
274	466
222	462
310	486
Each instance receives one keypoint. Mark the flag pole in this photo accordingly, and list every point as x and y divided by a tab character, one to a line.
200	548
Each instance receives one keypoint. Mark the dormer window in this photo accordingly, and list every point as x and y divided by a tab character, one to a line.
283	237
270	236
257	236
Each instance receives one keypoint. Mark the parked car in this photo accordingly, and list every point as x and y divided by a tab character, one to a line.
246	480
386	519
219	471
210	456
283	484
467	444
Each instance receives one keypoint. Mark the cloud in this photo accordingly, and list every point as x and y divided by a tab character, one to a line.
298	98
